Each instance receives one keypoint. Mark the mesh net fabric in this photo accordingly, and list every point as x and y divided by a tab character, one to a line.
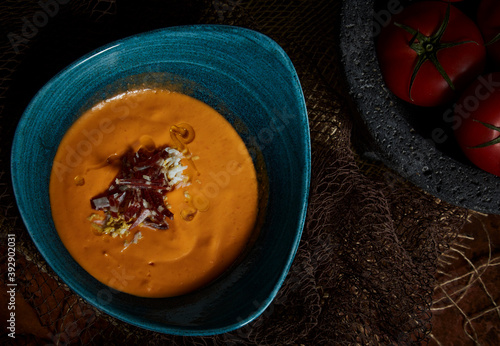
364	270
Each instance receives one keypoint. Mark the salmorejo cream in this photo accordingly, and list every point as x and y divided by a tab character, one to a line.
153	193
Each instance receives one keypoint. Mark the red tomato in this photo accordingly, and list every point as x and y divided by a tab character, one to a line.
488	20
398	58
477	122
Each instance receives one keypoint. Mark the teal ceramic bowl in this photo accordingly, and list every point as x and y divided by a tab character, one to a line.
250	80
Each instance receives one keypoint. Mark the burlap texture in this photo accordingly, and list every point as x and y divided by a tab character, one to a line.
364	271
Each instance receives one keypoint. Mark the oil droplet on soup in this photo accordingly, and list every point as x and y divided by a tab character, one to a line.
208	231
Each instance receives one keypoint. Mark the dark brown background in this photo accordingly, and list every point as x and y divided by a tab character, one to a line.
375	253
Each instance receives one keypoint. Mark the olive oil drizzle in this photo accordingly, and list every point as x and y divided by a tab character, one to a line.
183	134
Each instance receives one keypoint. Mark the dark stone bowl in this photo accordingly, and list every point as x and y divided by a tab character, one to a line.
416	142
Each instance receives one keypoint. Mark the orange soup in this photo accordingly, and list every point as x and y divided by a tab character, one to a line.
213	205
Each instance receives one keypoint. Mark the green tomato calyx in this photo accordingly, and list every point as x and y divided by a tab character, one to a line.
494	40
427	48
493	141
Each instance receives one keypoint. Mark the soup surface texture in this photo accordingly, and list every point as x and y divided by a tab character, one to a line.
214	207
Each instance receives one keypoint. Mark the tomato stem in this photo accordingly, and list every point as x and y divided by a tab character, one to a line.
427	48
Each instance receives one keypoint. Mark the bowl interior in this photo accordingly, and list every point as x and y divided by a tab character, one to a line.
416	142
246	77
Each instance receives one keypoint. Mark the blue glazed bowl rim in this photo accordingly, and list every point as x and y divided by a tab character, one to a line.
263	40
